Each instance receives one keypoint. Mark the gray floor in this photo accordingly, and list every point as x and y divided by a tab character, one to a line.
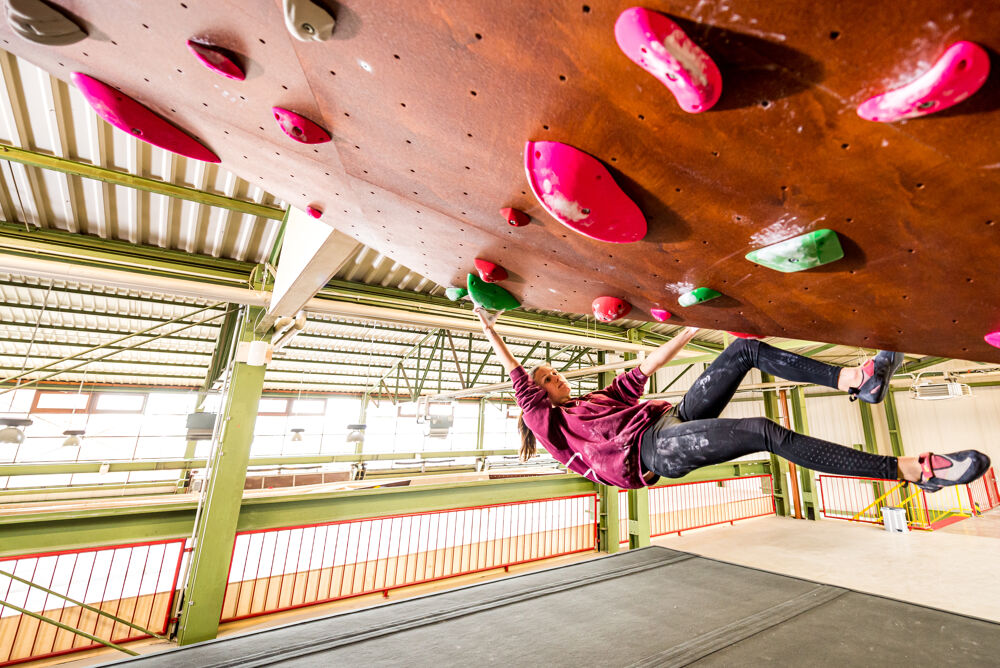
651	607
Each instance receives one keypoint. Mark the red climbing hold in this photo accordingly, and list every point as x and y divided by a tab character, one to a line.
314	212
299	127
993	338
515	217
662	48
216	59
659	314
490	271
607	309
744	335
955	76
581	194
138	120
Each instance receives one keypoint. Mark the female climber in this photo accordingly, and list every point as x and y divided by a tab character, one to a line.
610	437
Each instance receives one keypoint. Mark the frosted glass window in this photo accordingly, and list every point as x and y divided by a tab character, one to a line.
170	404
63	401
120	403
309	407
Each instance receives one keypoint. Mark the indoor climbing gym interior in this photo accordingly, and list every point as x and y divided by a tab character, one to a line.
531	333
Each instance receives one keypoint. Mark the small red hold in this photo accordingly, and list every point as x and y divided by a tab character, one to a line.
298	127
744	335
490	271
607	309
515	217
314	212
216	59
659	314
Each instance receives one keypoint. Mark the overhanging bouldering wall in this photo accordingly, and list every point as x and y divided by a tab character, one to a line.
430	104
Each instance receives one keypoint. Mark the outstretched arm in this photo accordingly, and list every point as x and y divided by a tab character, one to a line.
667	351
499	347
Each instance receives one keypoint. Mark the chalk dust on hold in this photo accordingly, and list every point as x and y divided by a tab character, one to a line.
686	53
679	288
564	207
779	230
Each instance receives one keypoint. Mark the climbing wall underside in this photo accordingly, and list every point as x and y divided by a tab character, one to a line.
430	105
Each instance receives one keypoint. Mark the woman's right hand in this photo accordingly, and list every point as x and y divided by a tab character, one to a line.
485	318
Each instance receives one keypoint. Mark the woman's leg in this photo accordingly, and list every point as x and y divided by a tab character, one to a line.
676	449
715	387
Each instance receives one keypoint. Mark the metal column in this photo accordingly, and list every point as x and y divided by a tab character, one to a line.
215	531
779	467
801	425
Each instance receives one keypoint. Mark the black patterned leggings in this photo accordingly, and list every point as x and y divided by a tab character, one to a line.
673	448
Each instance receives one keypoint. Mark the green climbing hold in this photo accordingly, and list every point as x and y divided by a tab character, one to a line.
454	294
697	296
490	295
798	253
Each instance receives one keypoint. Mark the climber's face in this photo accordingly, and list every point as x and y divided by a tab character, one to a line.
553	382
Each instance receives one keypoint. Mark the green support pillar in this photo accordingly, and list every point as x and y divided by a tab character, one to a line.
638	518
801	425
868	425
608	535
892	421
779	467
481	424
216	527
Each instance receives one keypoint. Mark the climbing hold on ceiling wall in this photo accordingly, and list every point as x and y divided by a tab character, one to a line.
993	338
659	314
314	212
454	294
607	309
798	253
307	21
218	60
138	120
490	296
744	335
661	47
298	127
490	272
697	296
955	76
580	193
515	217
38	22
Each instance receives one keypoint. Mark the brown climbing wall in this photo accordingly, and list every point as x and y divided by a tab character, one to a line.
430	104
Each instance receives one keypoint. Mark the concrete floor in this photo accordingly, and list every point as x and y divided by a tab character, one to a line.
952	569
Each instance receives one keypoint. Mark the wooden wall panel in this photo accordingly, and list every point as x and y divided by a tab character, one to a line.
430	104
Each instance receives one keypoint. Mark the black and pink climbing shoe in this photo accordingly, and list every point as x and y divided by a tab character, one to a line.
956	468
877	372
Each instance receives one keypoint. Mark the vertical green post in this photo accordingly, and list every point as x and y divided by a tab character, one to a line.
638	499
871	443
608	532
892	421
779	467
801	425
481	424
215	531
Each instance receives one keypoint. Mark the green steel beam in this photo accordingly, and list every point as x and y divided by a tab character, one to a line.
279	240
608	528
576	358
779	467
892	422
638	518
922	363
215	531
90	171
801	425
868	426
67	627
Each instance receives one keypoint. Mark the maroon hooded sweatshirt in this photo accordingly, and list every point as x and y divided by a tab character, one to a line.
596	435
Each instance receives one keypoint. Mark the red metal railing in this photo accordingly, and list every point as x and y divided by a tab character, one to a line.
134	582
293	567
983	494
693	505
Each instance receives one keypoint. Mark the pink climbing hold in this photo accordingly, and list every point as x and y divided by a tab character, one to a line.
217	60
659	314
515	217
490	272
993	338
580	193
138	120
299	127
662	48
314	212
744	335
959	73
607	309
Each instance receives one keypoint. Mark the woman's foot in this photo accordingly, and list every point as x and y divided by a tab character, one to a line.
956	468
870	381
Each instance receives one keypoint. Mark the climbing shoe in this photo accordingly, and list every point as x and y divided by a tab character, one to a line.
877	372
956	468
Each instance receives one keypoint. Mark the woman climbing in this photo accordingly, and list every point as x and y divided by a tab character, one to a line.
610	437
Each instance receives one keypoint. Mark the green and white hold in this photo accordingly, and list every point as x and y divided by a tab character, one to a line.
799	253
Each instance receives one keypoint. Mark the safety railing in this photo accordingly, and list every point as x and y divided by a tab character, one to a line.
61	602
293	567
862	499
678	507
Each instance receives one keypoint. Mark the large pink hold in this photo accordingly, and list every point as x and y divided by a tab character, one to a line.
580	193
659	46
959	73
216	59
993	338
138	120
298	127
